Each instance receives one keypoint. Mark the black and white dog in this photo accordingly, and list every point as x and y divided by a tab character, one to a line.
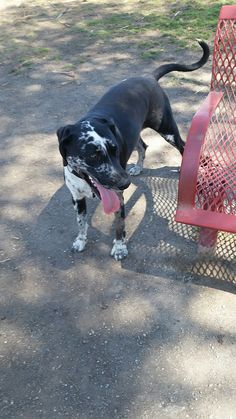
96	149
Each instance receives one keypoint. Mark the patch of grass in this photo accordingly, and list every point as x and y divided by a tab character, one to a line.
178	23
192	21
150	53
145	25
23	63
40	51
26	56
69	67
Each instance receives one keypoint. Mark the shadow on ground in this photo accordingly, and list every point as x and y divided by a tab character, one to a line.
158	245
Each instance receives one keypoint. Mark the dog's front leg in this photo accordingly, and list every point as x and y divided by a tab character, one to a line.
81	239
137	168
119	250
78	189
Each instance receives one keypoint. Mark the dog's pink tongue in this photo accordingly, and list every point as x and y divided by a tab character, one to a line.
110	200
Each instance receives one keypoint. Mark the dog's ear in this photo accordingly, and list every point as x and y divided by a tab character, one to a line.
64	137
64	134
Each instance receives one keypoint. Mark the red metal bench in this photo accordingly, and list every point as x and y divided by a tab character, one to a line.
207	185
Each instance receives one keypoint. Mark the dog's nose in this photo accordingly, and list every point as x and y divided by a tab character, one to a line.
124	184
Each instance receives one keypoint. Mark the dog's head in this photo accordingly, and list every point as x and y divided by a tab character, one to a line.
92	148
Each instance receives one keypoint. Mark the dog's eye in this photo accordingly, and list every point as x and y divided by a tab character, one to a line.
95	157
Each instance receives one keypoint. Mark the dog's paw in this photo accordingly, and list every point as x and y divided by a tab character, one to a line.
79	243
135	170
119	250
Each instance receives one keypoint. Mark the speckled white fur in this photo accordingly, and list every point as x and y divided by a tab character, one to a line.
97	139
81	240
78	187
119	250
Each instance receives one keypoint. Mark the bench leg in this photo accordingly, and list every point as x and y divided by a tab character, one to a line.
207	240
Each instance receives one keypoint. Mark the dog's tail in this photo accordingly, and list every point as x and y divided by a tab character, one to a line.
167	68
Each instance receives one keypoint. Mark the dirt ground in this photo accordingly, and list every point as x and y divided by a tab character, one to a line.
83	336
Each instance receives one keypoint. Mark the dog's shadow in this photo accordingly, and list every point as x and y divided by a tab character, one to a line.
157	244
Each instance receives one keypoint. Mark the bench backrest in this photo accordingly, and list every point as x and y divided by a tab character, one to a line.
216	185
224	56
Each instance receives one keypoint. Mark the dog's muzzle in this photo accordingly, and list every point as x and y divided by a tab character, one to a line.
123	184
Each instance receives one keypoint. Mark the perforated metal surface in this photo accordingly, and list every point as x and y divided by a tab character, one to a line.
224	60
216	182
211	144
170	249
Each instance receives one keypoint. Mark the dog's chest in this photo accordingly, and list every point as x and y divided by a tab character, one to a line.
77	186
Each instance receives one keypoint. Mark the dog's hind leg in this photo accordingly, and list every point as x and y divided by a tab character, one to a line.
138	167
119	250
168	128
173	138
